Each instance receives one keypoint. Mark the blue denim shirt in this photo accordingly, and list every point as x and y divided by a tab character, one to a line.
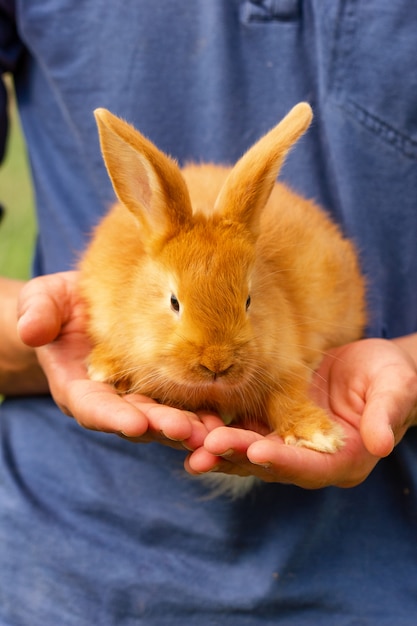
94	529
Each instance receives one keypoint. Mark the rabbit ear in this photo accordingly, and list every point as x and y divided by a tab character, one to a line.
146	180
249	184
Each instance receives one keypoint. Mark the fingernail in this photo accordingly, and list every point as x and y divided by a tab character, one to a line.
264	465
168	437
213	469
228	453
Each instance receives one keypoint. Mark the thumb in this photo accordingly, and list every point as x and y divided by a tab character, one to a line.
377	426
385	420
41	309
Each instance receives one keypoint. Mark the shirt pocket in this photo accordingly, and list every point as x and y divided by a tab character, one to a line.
261	11
374	73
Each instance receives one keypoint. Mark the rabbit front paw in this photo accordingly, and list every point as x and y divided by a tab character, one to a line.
305	424
330	440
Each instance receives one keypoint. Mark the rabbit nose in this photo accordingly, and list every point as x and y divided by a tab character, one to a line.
217	361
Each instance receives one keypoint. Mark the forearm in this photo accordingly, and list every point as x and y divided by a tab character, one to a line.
20	373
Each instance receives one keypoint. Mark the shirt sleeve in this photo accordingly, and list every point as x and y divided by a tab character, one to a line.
10	53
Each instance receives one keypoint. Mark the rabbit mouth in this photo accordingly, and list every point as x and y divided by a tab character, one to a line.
238	397
214	384
216	391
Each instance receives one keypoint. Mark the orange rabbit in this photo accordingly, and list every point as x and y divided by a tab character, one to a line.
218	288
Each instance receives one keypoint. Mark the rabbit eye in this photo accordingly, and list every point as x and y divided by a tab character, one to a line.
248	300
175	305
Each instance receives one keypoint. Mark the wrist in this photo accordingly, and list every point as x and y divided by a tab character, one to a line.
408	343
20	372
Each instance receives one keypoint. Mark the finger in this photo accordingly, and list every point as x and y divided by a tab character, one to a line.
295	465
41	308
389	409
40	320
172	423
97	406
376	430
224	451
210	420
200	462
385	419
231	443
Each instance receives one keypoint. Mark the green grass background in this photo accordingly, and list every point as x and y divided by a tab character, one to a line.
17	229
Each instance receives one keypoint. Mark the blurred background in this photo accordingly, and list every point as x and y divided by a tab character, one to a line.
17	227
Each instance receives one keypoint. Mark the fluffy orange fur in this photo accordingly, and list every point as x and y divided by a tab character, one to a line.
218	288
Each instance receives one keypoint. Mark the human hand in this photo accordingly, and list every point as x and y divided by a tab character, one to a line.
52	319
369	387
